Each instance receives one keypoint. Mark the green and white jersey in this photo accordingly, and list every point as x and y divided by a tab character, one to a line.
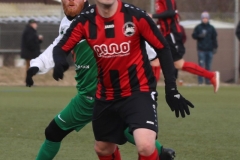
86	69
85	63
45	60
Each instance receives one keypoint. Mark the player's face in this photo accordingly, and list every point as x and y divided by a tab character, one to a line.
106	3
72	7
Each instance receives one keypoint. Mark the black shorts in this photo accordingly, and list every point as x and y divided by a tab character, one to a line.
177	47
111	118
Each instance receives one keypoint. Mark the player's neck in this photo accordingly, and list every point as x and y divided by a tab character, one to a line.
107	11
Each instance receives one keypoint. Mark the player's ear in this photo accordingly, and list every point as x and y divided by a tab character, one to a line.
84	0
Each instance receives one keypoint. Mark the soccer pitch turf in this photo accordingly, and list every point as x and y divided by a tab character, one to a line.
211	132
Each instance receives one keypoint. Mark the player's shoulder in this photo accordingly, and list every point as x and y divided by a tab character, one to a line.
65	21
133	10
64	25
87	13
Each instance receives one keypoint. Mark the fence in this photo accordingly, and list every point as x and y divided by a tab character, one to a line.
10	39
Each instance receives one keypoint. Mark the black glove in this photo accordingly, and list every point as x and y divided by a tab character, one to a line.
61	64
30	73
177	102
59	69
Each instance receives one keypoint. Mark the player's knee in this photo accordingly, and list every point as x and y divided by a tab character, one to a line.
179	64
145	141
54	133
104	148
146	149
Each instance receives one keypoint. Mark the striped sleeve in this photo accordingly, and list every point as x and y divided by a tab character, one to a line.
148	29
72	36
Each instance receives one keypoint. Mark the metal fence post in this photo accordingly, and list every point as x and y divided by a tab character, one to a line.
152	9
236	56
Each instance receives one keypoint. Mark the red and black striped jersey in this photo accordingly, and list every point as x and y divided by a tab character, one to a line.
118	43
169	21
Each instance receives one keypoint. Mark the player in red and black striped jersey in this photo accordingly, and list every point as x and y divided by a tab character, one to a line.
168	19
126	90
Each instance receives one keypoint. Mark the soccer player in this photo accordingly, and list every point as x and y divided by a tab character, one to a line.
126	89
168	19
78	112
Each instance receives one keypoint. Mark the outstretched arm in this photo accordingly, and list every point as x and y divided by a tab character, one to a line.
73	35
152	35
44	62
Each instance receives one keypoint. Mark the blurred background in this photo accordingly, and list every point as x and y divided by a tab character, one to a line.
14	15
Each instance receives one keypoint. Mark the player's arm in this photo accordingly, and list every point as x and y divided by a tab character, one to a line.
170	12
154	61
214	38
73	35
40	65
44	62
152	35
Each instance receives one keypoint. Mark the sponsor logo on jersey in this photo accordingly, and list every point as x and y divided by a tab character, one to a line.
129	29
77	67
112	50
109	26
92	10
63	29
61	32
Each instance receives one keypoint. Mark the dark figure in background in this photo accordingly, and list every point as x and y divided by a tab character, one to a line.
206	37
238	36
168	18
180	46
30	44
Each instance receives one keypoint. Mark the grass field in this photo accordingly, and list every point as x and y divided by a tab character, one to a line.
211	132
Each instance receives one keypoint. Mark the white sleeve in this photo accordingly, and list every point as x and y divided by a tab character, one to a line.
45	60
150	52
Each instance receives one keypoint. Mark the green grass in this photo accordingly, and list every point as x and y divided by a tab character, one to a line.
211	132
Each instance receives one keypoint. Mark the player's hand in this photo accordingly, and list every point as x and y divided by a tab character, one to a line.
61	64
30	73
178	103
59	69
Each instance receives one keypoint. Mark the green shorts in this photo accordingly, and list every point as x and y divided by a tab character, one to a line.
76	114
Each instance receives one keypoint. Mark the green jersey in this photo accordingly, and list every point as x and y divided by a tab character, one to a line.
86	69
